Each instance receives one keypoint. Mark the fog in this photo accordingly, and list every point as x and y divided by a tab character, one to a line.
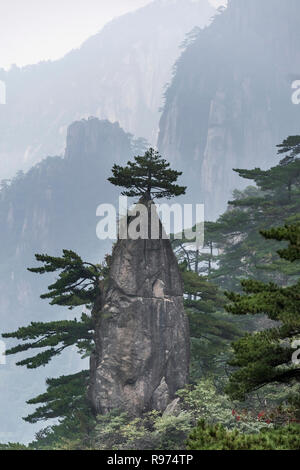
35	30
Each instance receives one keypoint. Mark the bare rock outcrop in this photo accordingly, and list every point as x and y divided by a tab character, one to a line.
142	338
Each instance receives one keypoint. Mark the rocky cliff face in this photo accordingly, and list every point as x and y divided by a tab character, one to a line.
53	206
142	338
229	104
119	74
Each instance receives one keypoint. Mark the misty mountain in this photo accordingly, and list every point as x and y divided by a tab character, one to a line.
229	103
119	74
51	207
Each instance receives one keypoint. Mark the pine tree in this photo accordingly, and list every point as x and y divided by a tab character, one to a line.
217	437
212	330
149	176
78	284
282	177
266	357
53	337
274	201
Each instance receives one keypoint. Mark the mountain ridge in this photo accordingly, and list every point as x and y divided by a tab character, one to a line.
229	103
118	74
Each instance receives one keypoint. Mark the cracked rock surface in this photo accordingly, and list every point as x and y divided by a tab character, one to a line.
142	339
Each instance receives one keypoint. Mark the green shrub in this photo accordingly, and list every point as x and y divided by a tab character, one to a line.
118	431
216	437
13	446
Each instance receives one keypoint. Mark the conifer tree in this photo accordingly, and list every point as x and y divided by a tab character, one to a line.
149	176
217	437
65	398
283	177
212	330
266	357
78	284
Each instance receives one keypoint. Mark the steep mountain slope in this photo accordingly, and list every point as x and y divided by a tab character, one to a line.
119	74
53	206
229	103
50	208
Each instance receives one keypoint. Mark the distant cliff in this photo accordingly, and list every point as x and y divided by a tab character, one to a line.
51	207
119	74
54	205
229	103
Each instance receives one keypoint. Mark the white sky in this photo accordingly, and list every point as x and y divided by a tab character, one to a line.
34	30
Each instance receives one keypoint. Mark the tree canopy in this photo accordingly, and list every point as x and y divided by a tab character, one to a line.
149	176
266	356
239	251
79	283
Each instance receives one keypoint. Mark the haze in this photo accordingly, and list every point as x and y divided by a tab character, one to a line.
35	30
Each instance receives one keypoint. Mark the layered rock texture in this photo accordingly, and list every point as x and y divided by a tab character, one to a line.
142	339
230	102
